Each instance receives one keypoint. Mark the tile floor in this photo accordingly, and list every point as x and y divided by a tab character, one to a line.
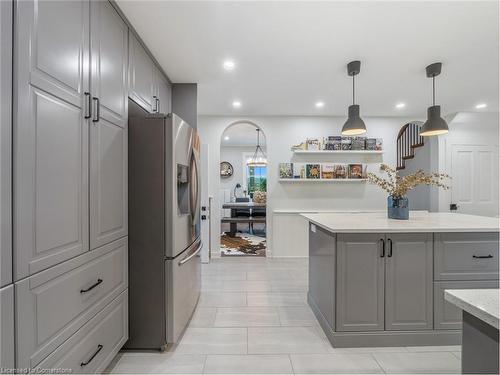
253	318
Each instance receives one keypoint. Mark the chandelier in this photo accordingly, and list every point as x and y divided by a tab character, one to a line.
259	158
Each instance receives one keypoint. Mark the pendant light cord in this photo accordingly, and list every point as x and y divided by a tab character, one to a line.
433	90
353	90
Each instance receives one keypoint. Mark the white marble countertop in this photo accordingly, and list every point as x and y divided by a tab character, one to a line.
420	221
482	303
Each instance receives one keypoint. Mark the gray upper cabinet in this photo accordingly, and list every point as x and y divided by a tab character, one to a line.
360	282
141	75
50	133
5	143
408	282
322	259
108	133
109	82
163	92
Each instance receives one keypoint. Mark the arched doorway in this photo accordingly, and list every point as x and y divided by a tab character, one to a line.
243	190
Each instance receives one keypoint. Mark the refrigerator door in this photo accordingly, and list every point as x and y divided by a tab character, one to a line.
183	290
195	196
182	182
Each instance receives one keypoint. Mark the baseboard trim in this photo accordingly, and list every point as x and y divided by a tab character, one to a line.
384	338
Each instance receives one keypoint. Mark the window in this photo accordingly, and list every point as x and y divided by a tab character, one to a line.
256	179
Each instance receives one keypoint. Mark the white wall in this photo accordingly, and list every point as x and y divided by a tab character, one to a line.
281	133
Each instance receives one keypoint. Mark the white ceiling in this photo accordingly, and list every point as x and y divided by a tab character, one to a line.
242	134
291	54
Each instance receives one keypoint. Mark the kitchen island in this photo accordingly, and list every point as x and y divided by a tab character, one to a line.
374	281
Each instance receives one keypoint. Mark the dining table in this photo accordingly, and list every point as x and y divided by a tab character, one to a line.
234	206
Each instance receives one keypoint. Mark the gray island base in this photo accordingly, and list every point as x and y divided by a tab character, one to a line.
374	281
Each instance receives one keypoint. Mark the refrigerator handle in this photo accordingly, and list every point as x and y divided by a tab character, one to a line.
189	257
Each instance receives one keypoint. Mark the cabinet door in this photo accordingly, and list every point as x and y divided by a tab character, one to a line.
7	327
108	183
360	282
6	143
164	93
109	39
141	72
50	134
408	285
322	272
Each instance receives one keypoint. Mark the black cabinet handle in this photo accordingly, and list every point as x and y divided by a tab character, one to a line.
389	254
91	287
482	256
85	363
383	248
88	105
97	116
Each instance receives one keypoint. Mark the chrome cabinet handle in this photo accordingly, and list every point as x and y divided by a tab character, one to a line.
383	248
157	105
97	113
389	254
482	256
155	108
99	281
88	105
85	363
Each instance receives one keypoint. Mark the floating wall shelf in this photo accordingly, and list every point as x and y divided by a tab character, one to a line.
369	152
317	180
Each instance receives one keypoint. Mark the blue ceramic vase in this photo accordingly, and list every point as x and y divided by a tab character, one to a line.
397	208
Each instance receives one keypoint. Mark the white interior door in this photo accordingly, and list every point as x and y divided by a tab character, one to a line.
205	204
474	185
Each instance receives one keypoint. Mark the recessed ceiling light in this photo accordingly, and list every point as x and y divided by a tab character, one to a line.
229	65
236	104
320	104
226	138
400	105
481	106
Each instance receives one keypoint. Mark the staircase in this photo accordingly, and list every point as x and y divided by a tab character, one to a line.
409	139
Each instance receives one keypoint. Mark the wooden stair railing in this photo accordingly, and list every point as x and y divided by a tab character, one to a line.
409	139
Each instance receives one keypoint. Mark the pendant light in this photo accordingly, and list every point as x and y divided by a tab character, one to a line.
354	124
435	124
256	160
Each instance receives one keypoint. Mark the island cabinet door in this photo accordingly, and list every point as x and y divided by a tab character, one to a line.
360	282
408	282
322	273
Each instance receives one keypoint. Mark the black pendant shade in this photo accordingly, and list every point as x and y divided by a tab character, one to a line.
354	124
435	124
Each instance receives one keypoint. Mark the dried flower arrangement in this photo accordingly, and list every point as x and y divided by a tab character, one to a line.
398	186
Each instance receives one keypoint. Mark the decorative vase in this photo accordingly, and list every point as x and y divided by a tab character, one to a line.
397	208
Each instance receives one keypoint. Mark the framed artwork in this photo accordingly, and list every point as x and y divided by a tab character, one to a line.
226	169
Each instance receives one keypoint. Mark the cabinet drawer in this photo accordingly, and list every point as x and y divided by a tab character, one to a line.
466	256
93	347
54	304
446	315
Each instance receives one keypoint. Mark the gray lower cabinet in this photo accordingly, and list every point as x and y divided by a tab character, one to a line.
141	75
53	304
7	327
6	143
466	256
447	315
93	347
322	259
360	282
408	282
50	134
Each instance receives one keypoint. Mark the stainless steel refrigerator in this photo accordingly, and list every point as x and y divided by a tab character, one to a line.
164	227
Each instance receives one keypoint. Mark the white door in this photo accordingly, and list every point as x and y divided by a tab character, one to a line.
205	205
474	184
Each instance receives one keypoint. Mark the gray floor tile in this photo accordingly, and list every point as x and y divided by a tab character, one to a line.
222	299
246	317
282	340
296	316
277	299
441	348
246	286
156	363
458	355
213	341
248	364
335	364
418	363
203	317
369	350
